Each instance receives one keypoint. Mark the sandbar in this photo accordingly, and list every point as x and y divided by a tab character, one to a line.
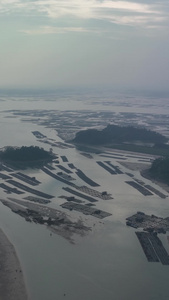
12	285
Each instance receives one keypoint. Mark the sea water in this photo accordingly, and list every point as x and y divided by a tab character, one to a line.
108	263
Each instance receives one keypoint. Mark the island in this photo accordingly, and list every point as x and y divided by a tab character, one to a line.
127	138
26	156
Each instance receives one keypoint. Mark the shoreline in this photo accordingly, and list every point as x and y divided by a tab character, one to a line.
145	174
12	284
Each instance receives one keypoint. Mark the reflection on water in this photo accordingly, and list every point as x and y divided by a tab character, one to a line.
108	263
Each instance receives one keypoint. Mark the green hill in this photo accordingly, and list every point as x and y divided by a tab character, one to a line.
160	169
118	134
25	155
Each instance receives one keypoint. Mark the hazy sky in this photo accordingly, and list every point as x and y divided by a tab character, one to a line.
80	43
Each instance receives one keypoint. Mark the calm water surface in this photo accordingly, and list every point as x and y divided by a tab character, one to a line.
108	263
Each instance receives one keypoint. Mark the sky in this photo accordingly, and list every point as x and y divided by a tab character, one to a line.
50	44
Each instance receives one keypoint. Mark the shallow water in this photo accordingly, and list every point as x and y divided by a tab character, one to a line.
108	263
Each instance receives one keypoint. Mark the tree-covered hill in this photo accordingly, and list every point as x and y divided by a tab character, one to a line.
25	154
160	169
118	134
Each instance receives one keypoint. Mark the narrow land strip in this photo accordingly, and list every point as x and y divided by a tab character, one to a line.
12	286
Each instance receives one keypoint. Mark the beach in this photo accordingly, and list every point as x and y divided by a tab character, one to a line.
12	285
144	171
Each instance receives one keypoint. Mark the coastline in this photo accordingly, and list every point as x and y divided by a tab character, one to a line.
145	174
12	285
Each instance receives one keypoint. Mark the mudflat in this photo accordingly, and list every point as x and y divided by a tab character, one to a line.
12	285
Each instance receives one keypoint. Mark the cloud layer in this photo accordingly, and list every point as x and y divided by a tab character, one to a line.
118	12
51	43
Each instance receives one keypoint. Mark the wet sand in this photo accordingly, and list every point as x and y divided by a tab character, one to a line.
146	174
12	286
144	171
135	166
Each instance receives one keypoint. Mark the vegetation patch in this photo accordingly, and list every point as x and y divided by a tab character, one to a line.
28	156
127	138
118	134
160	169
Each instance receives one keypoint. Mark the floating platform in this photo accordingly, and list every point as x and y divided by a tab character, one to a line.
111	156
64	169
149	223
38	134
86	210
71	166
94	193
4	176
26	178
37	200
5	168
50	167
113	153
155	191
64	158
107	168
29	190
140	188
57	221
129	174
88	198
88	155
65	176
72	199
86	179
56	176
115	168
153	247
10	190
